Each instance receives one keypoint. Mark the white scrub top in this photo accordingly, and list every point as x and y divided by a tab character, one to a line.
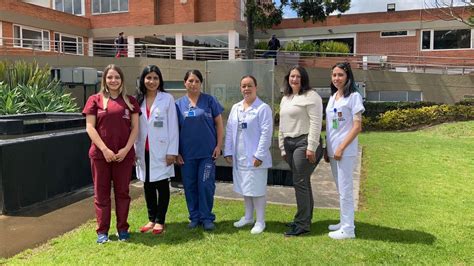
343	110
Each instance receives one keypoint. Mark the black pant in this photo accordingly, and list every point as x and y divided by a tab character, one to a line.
157	205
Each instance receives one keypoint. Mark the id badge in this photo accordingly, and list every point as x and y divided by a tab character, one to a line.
158	123
335	123
244	125
191	114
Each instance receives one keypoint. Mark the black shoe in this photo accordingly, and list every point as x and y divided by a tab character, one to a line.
296	231
290	224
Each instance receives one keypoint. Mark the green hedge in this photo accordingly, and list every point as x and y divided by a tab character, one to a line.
374	109
402	119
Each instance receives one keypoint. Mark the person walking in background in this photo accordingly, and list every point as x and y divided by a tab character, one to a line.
156	146
200	141
112	125
120	46
247	147
343	124
273	47
301	113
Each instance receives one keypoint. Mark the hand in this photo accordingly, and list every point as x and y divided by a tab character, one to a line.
108	155
338	154
170	159
216	153
256	162
180	160
228	159
121	155
284	156
325	155
311	156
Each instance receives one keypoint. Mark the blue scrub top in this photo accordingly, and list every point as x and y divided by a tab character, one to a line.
197	130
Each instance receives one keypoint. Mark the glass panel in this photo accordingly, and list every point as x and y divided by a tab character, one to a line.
123	5
32	39
223	81
104	6
452	39
394	33
95	6
68	6
80	46
17	36
393	96
373	96
57	42
414	96
78	7
46	40
69	45
114	7
205	41
58	5
426	40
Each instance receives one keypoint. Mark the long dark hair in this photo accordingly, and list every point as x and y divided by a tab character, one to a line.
195	72
304	81
142	89
350	85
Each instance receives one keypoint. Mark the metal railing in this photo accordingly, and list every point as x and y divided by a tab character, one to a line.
388	62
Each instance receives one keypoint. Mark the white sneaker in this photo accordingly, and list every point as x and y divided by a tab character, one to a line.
334	227
242	222
341	234
257	228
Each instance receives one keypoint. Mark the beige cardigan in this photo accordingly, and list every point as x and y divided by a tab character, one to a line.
300	115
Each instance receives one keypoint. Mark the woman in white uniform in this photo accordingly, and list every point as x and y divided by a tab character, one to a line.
156	146
247	147
343	124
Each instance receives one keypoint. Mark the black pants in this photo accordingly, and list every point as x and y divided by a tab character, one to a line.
157	205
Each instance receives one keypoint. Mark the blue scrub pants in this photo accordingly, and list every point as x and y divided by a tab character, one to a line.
199	176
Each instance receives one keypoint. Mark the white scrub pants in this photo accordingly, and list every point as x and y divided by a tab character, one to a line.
342	172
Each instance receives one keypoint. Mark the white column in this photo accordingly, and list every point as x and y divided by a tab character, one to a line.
131	46
179	46
90	46
233	37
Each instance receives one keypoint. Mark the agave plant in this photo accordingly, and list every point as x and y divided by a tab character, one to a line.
10	100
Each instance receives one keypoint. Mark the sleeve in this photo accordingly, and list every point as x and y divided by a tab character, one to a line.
173	130
280	134
315	113
216	107
228	142
265	118
91	106
136	106
357	105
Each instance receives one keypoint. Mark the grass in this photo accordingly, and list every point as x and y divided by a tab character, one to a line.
417	208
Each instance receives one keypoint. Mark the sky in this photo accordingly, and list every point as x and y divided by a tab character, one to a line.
366	6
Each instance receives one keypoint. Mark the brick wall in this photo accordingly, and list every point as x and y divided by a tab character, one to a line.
227	10
140	12
206	10
165	12
372	43
185	13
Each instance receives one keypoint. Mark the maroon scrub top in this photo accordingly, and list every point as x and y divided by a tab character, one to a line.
113	124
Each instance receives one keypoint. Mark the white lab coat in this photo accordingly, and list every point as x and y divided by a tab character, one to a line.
163	140
257	135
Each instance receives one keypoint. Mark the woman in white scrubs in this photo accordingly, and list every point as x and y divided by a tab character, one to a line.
343	124
247	147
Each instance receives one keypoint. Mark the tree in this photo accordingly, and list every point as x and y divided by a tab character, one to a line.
460	10
265	15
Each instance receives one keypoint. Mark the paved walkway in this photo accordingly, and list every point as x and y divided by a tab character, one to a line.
42	222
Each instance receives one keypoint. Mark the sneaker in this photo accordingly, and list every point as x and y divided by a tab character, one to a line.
209	226
257	228
242	222
123	236
193	224
341	234
334	227
102	238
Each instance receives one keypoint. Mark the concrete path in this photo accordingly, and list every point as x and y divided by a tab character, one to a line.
45	221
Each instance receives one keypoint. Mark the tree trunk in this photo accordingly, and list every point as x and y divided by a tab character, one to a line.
250	13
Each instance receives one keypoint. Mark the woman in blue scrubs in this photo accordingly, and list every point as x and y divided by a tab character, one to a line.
201	132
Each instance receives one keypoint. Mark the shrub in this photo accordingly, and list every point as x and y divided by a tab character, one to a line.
261	45
374	109
334	47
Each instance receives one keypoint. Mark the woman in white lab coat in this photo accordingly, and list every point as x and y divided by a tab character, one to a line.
247	147
156	147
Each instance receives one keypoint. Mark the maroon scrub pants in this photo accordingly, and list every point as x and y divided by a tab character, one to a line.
104	175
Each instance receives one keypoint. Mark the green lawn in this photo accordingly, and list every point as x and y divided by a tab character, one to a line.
417	207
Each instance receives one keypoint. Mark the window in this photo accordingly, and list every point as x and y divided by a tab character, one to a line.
394	96
68	44
1	34
26	37
70	6
446	39
109	6
401	33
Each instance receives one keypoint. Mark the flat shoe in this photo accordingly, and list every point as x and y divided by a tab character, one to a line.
158	231
145	228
